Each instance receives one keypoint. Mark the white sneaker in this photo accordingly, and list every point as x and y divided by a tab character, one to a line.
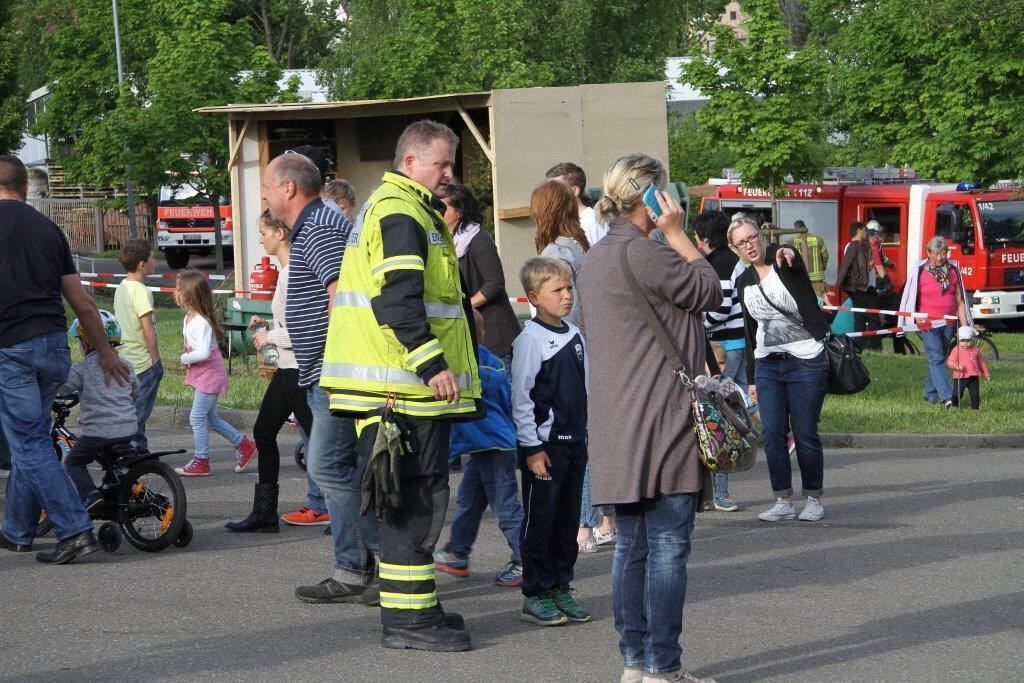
813	511
679	675
782	509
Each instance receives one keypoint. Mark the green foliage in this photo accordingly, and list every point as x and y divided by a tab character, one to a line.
408	48
297	34
941	85
12	101
764	105
694	156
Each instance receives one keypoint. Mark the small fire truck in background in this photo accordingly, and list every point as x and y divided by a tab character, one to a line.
984	227
184	224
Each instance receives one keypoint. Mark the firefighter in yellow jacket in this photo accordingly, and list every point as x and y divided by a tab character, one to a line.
400	336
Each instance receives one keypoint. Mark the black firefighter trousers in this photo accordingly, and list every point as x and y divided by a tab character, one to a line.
408	534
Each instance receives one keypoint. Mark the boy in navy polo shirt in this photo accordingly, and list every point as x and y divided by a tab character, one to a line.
549	404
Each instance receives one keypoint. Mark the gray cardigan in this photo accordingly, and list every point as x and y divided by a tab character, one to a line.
641	439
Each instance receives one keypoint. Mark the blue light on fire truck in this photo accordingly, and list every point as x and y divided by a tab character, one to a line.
967	187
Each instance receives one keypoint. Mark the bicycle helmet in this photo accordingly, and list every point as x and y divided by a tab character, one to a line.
110	324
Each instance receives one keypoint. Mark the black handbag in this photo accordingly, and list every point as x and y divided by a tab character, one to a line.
726	436
847	373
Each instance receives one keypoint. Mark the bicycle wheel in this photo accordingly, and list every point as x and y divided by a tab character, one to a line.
988	348
152	505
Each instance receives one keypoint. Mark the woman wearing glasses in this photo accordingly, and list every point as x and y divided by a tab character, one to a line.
787	367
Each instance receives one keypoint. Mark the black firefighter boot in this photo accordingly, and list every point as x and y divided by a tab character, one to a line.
263	517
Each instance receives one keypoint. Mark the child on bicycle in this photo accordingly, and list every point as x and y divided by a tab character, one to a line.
205	374
107	414
966	362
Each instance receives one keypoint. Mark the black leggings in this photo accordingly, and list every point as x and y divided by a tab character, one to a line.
283	397
970	385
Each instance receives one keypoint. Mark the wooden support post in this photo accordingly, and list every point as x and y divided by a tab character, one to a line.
484	145
238	142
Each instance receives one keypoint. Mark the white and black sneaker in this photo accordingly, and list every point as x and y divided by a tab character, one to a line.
782	509
813	511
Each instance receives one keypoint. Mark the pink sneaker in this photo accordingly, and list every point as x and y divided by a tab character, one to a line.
791	444
245	453
196	467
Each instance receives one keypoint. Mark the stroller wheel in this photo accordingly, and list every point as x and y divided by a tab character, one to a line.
300	455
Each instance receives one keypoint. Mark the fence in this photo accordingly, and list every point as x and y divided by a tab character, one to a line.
89	228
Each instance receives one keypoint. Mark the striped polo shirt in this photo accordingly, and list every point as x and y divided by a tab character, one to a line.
318	243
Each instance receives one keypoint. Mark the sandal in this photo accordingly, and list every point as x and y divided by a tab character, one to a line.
601	537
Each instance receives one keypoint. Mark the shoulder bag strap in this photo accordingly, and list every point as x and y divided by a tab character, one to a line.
651	318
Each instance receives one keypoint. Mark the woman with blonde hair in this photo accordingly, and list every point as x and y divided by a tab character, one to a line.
642	448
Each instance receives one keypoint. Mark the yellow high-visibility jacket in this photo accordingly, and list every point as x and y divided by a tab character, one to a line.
399	316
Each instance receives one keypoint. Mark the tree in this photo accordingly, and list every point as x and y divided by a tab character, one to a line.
693	155
296	33
764	102
12	100
408	48
941	85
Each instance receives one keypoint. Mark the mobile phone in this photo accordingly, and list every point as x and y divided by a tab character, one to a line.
651	200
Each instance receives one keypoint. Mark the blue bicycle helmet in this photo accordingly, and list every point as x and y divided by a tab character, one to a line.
110	324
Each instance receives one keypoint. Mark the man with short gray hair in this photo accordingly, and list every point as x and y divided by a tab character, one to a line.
291	188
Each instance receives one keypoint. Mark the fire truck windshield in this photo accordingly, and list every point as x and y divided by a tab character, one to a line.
1002	222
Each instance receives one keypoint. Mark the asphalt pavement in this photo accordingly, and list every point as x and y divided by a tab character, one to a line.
913	575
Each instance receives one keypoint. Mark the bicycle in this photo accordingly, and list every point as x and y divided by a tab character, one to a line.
983	339
143	499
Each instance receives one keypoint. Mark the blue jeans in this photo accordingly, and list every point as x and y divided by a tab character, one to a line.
721	485
203	418
736	367
937	386
331	462
314	496
590	515
30	375
149	382
489	478
649	579
790	394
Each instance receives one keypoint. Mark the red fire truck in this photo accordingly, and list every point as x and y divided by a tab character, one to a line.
984	228
185	227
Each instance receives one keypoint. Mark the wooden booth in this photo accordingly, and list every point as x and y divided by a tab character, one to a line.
517	133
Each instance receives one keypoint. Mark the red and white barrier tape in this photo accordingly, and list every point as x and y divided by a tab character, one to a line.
922	326
166	290
163	276
878	311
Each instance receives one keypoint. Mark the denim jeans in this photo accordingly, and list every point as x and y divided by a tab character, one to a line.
149	382
30	375
489	478
721	485
790	393
87	449
590	515
203	418
649	579
736	367
331	462
314	496
937	386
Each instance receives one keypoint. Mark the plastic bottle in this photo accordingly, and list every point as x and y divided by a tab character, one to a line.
269	352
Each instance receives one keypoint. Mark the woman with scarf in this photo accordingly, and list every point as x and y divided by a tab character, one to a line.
935	287
481	269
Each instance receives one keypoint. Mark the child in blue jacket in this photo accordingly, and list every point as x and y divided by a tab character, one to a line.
490	475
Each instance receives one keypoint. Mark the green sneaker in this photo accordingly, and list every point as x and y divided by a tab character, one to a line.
567	605
541	610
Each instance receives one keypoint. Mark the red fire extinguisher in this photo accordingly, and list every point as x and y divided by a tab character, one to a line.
263	280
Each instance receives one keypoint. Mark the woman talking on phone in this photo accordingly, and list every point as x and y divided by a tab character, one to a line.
642	448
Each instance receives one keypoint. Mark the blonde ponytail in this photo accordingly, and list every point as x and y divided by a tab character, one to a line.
625	182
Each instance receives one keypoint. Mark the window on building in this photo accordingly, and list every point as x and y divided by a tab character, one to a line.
732	15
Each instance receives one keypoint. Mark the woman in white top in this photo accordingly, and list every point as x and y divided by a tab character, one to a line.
282	398
787	367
